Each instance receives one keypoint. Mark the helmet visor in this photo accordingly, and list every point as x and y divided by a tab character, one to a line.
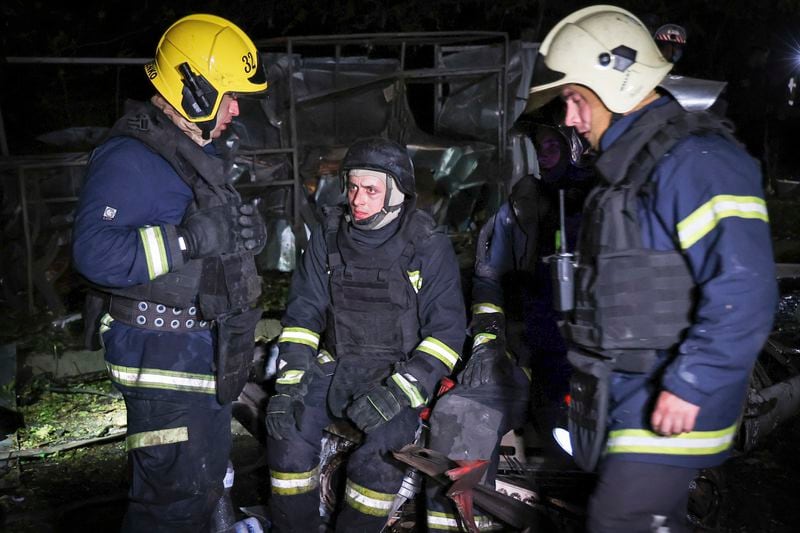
545	85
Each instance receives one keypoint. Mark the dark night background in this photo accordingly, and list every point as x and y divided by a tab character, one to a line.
751	44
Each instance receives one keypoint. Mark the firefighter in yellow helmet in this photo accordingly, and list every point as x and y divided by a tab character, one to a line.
170	245
675	285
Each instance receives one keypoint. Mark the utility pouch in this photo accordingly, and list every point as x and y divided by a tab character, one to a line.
588	408
95	304
234	354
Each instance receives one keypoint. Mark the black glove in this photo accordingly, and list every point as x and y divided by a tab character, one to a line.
253	230
295	374
488	364
384	402
376	407
281	416
223	229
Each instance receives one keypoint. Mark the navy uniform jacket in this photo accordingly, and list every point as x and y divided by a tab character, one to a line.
432	272
130	193
708	200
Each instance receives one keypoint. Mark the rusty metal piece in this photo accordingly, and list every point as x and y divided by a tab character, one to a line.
436	465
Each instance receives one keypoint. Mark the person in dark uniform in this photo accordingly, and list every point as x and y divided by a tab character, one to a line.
514	325
375	319
675	287
161	232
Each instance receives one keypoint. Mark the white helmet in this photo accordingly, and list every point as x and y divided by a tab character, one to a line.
604	48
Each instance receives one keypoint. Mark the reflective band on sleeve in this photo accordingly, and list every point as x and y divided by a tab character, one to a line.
705	218
440	351
290	377
408	388
324	356
288	483
156	438
368	501
692	443
300	336
152	378
527	372
450	522
483	338
155	252
416	280
485	307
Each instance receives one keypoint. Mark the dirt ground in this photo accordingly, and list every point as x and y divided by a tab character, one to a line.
84	489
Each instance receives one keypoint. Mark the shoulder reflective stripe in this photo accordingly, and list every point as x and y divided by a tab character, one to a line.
368	501
324	356
153	378
483	338
694	227
300	336
440	351
409	390
291	377
450	522
693	443
155	252
416	279
105	323
288	483
156	438
485	307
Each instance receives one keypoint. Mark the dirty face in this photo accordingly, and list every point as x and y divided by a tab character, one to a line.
366	192
228	108
586	113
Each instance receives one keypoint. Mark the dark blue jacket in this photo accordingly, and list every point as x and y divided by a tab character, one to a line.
708	200
432	274
129	196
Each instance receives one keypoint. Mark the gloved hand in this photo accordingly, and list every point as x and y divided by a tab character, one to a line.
488	364
295	374
382	403
281	419
223	229
253	230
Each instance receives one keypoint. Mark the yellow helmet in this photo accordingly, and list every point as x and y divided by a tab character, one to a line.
604	48
199	59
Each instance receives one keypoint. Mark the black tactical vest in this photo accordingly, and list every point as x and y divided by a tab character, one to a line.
631	301
216	285
374	306
372	321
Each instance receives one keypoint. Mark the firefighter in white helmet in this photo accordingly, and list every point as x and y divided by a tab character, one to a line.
675	283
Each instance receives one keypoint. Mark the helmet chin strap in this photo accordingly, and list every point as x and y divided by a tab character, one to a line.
379	219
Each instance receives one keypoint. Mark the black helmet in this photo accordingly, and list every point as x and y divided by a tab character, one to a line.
382	155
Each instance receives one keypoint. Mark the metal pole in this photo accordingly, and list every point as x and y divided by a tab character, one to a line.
28	245
293	126
3	143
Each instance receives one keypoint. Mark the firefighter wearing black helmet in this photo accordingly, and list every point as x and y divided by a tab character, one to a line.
375	318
